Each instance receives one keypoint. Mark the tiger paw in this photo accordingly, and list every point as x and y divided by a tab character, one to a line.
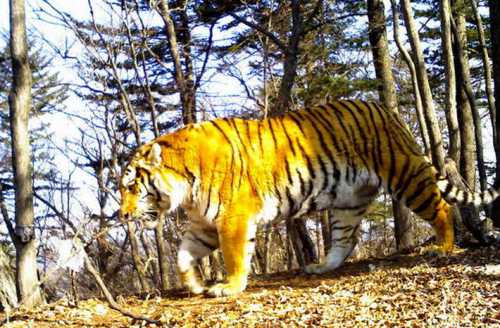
192	282
436	250
316	268
220	290
196	289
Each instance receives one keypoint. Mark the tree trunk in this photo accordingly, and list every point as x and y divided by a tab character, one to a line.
291	54
488	81
467	100
186	95
387	93
411	66
28	288
471	128
162	254
437	149
136	257
451	91
495	56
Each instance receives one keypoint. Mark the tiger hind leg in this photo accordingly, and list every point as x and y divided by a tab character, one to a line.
442	222
430	206
196	244
344	239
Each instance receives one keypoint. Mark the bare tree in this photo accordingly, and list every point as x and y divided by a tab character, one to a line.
183	79
436	142
451	91
411	66
28	289
494	6
487	69
387	91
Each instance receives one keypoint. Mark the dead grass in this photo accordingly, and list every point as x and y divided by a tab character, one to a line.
462	290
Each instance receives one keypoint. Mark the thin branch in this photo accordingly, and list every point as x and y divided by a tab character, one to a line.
258	28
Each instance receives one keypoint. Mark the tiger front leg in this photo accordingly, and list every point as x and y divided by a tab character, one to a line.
196	243
237	240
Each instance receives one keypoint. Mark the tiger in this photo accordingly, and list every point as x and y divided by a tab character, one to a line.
230	174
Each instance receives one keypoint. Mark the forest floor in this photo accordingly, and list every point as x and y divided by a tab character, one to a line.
462	290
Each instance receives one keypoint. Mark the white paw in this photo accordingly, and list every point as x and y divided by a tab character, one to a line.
315	269
196	289
220	290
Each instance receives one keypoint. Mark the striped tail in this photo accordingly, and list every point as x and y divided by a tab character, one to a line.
453	194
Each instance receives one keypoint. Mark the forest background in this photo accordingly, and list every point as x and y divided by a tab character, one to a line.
108	76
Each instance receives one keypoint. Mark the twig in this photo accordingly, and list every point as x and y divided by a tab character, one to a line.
112	303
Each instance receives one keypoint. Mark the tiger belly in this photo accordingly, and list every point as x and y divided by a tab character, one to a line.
345	198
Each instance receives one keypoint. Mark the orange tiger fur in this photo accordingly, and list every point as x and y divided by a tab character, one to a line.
231	174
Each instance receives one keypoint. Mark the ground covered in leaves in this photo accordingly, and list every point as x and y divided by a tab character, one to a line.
462	290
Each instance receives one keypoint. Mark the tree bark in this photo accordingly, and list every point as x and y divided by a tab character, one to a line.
387	92
136	257
28	288
494	6
291	53
488	80
471	125
183	84
411	66
162	254
437	149
451	91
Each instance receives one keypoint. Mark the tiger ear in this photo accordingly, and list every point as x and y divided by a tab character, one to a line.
155	155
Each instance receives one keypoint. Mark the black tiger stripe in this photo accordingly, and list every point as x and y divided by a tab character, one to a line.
421	186
216	125
344	228
406	184
426	203
289	141
197	240
288	171
296	121
340	121
236	149
447	190
321	137
292	207
301	182
405	171
259	134
376	152
240	139
328	128
248	133
359	127
309	164
273	135
324	172
367	137
317	116
210	186
392	162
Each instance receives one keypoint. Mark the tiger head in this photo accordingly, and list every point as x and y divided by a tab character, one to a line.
149	188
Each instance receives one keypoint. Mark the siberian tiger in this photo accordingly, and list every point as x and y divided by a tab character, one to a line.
231	174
